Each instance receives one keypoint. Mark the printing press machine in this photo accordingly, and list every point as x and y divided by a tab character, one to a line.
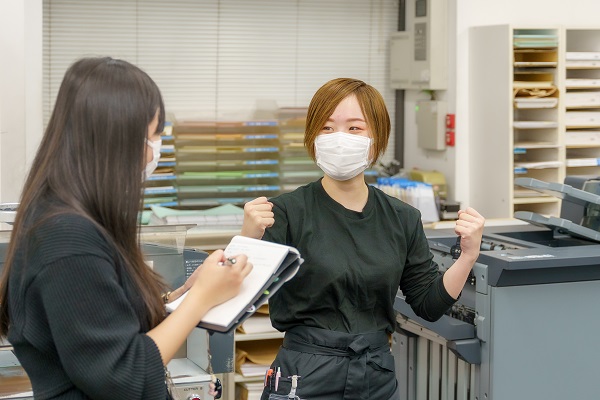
526	323
165	251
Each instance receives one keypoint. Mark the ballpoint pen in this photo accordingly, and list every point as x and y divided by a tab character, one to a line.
277	376
456	250
268	376
228	261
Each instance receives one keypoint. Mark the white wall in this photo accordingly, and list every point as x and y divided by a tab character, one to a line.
414	156
20	92
470	13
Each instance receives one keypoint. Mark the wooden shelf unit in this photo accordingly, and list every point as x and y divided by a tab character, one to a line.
511	138
582	101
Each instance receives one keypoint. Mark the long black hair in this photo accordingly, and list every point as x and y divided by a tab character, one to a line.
90	160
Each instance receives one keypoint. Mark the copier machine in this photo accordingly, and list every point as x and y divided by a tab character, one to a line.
164	250
527	322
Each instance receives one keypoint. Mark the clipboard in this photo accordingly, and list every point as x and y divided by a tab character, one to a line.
274	264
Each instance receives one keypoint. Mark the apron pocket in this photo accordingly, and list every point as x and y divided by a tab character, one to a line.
382	361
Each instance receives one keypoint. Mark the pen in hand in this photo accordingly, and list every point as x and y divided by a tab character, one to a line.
228	261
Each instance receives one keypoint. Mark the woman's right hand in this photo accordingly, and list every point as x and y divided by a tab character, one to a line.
217	281
213	284
258	216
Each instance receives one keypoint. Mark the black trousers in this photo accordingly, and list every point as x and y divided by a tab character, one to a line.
334	365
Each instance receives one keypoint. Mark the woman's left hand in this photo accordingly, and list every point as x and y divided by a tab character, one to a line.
469	227
177	293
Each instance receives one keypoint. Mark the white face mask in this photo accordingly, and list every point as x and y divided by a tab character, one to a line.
341	155
155	146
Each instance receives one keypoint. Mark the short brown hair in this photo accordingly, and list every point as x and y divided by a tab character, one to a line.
327	98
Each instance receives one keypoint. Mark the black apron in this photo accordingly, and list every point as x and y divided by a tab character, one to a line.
333	365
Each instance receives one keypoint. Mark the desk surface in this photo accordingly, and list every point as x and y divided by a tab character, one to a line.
14	383
488	222
207	241
185	371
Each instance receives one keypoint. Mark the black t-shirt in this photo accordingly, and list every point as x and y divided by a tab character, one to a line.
354	262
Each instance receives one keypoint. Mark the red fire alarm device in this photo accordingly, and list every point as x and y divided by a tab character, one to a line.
450	124
450	138
450	119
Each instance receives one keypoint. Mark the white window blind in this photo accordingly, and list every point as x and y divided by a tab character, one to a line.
217	59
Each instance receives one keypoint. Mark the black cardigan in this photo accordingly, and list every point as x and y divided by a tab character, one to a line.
74	325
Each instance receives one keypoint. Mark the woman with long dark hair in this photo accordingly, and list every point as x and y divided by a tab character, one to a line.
83	312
